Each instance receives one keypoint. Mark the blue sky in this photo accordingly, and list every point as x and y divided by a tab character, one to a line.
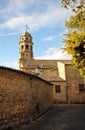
46	22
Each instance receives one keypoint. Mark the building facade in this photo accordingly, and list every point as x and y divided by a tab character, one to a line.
68	84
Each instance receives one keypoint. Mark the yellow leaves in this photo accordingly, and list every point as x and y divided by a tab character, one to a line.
75	46
77	21
73	4
65	3
75	39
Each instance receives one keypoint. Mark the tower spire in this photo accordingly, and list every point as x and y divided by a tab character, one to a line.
26	26
26	49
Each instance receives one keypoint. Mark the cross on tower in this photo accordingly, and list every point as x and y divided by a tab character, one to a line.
27	27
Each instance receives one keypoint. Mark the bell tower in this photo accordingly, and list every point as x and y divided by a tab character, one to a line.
25	50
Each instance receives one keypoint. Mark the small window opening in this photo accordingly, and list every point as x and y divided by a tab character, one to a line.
22	46
57	89
31	48
26	46
81	88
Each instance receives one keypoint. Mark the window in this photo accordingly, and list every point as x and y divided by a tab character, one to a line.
31	48
22	46
26	46
81	88
57	89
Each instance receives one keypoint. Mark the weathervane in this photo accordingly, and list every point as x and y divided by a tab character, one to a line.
27	27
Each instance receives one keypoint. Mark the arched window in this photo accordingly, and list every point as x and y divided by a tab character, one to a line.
26	46
31	48
22	47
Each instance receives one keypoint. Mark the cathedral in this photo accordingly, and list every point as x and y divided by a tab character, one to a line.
68	84
35	87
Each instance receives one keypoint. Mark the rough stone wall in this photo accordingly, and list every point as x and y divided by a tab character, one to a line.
73	80
22	97
60	97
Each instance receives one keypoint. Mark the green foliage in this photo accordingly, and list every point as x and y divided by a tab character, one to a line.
75	40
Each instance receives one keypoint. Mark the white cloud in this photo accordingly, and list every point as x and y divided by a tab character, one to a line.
11	64
51	17
55	53
50	38
15	6
58	35
8	33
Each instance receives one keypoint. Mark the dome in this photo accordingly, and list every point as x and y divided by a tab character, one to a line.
26	34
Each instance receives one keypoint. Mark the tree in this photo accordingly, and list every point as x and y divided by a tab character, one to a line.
76	5
75	39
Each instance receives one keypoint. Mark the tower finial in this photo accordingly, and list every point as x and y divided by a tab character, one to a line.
27	27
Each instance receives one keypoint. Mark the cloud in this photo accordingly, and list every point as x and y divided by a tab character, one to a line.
11	7
50	38
8	33
11	64
58	36
50	17
55	53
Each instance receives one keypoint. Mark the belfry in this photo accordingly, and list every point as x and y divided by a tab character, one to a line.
25	49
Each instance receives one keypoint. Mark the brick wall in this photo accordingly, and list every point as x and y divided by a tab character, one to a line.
22	97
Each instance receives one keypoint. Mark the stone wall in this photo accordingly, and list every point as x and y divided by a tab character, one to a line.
73	80
22	97
70	87
60	97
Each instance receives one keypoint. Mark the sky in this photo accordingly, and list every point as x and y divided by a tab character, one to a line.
46	22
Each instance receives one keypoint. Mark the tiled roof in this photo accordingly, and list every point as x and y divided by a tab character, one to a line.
59	79
54	79
45	63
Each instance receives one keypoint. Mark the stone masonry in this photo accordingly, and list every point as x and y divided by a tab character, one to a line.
22	97
73	80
